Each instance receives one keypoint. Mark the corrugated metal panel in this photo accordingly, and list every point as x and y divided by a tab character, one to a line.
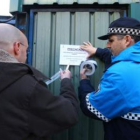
30	2
54	28
16	5
134	10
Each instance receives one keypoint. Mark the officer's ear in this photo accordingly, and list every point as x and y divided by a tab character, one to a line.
129	40
16	48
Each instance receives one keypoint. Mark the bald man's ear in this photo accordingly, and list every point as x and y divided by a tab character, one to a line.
16	48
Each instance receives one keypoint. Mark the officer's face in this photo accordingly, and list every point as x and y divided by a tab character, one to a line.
116	44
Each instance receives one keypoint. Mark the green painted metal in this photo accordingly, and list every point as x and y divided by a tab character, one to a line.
54	28
134	10
16	5
28	2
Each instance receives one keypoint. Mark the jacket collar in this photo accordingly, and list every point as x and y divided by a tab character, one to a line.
132	53
6	57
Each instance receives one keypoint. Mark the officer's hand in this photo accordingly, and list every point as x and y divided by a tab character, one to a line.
82	74
87	46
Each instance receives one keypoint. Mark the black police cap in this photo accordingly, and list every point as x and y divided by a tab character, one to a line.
123	26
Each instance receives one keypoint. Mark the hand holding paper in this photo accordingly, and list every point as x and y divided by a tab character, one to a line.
87	46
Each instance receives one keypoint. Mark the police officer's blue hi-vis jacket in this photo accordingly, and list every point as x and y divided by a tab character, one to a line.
117	100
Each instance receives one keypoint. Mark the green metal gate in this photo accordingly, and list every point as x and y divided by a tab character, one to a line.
52	28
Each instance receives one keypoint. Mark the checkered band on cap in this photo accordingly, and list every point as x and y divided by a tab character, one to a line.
132	116
121	30
94	110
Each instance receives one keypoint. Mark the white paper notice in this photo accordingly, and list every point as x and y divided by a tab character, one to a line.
72	55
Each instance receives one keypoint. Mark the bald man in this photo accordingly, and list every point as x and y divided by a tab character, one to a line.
28	110
14	42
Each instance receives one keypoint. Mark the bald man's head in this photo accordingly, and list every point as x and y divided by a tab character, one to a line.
9	34
12	40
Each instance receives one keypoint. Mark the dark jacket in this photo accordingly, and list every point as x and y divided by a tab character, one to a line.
28	110
105	56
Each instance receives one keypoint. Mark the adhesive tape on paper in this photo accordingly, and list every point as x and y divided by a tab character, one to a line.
90	65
